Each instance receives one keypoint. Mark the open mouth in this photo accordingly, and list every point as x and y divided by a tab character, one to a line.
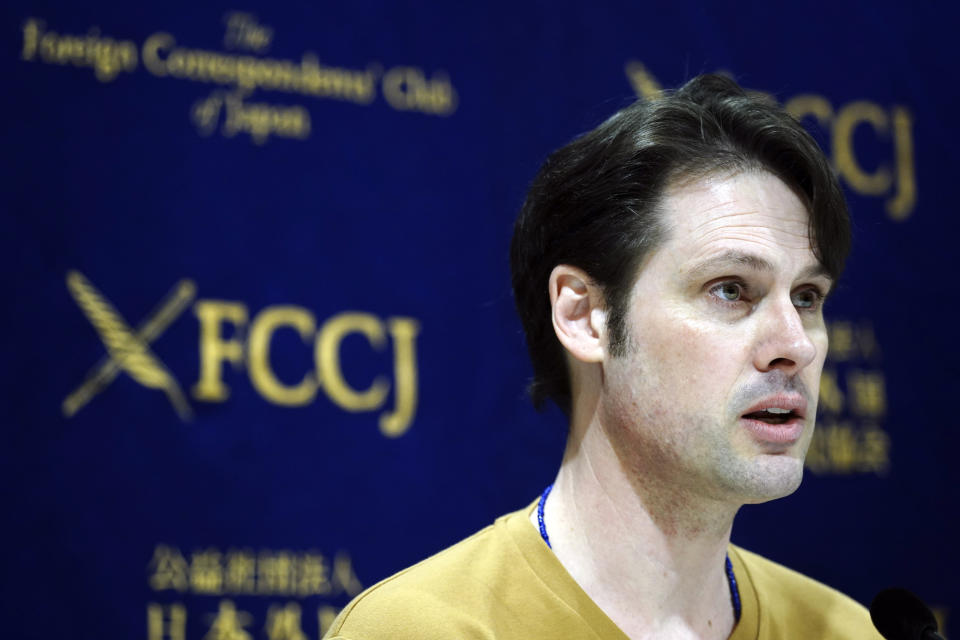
773	415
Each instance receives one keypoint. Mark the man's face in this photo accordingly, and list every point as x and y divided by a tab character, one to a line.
717	392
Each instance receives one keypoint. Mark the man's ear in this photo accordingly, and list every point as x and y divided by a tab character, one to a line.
579	318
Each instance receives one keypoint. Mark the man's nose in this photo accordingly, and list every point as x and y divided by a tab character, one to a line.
783	341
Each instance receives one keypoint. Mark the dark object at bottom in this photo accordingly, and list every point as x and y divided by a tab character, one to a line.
899	615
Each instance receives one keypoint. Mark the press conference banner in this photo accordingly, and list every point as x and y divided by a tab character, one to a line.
260	346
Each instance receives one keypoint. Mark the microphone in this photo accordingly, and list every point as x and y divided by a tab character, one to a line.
899	615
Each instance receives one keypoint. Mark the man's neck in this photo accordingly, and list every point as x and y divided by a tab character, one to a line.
651	557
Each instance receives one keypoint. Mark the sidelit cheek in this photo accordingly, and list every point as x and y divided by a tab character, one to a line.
693	346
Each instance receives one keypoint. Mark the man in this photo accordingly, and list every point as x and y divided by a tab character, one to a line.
670	269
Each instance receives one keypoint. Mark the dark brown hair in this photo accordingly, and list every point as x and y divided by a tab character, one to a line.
594	202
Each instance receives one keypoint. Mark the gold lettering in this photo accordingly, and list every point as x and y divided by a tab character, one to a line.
403	331
47	46
244	32
326	615
644	84
31	36
816	458
901	205
239	575
875	453
229	623
868	393
344	576
106	56
258	358
313	575
276	573
162	57
260	119
841	340
206	572
233	124
406	89
283	623
843	449
327	356
846	122
176	621
831	397
214	350
805	105
395	87
205	113
867	341
246	73
254	351
170	569
181	65
364	84
152	47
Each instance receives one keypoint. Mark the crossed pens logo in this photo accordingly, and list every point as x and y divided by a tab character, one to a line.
232	339
128	349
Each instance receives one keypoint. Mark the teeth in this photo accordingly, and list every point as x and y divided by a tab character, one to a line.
777	410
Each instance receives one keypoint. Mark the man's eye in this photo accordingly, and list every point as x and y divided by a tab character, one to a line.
807	299
728	291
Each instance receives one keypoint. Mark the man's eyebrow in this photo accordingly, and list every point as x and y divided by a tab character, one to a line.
753	262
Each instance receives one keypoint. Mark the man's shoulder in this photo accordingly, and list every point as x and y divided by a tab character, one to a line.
794	605
437	596
772	579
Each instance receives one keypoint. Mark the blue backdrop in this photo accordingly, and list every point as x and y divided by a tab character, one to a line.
260	344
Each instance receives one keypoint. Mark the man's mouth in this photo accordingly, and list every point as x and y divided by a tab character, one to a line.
773	415
777	420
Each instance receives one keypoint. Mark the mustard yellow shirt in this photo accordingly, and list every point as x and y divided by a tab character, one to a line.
504	582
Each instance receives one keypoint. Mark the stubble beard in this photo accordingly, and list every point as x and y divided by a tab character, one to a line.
693	458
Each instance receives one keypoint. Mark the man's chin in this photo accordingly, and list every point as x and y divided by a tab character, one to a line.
772	477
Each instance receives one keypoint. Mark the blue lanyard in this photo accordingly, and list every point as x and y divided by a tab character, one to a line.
731	579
